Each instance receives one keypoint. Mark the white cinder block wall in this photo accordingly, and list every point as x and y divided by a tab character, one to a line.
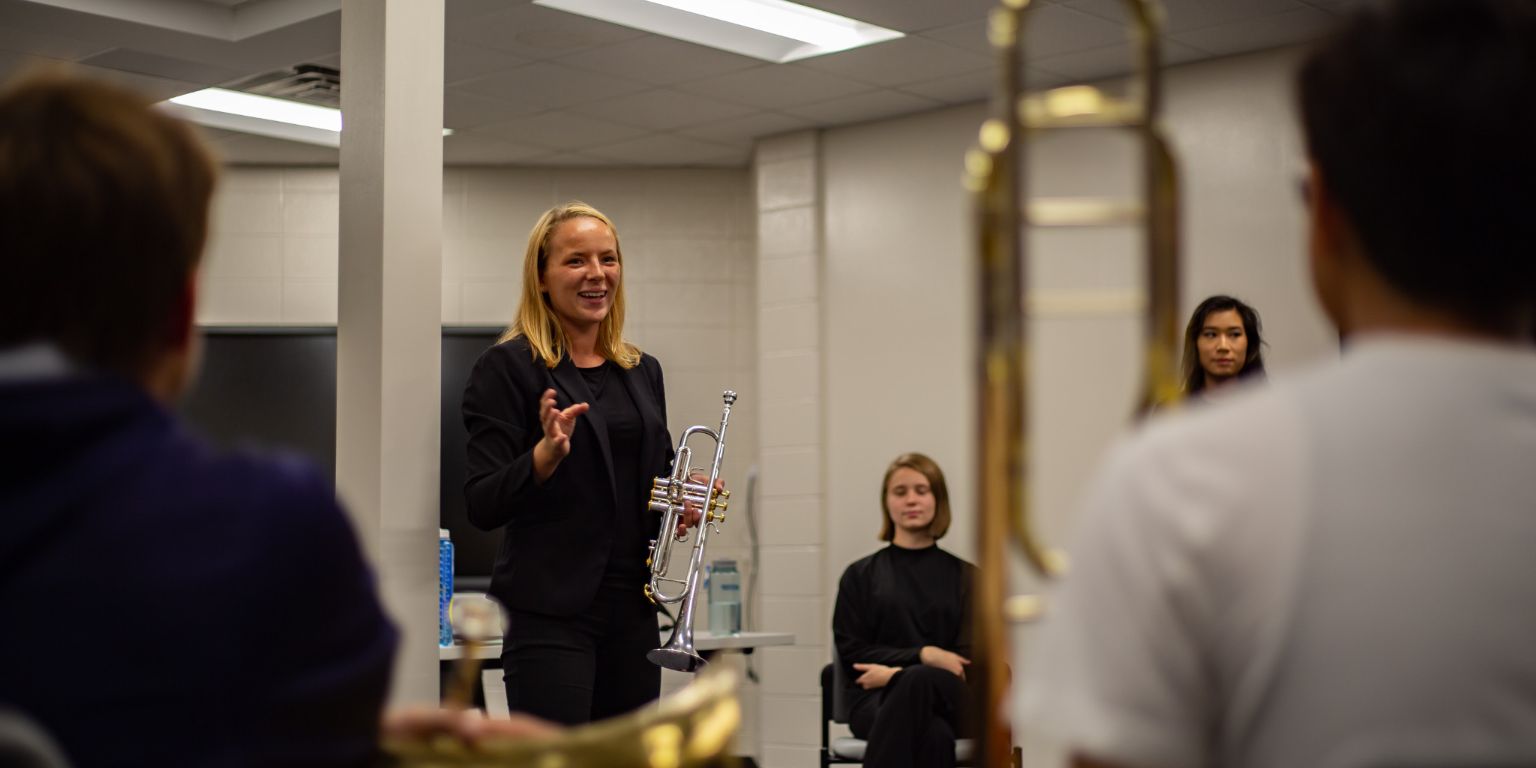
689	264
790	345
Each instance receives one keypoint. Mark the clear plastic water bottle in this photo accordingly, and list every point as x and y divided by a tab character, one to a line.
444	587
724	598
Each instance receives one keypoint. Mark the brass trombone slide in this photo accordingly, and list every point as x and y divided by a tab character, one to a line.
996	178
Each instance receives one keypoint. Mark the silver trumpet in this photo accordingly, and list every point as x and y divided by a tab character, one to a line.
668	496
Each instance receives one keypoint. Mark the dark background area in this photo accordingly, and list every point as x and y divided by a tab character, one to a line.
275	389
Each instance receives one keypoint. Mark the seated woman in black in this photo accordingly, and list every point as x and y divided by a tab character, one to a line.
902	626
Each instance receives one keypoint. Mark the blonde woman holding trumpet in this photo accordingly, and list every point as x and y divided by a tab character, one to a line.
567	428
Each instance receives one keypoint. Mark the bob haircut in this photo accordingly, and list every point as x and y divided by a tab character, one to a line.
1253	363
929	469
103	217
537	323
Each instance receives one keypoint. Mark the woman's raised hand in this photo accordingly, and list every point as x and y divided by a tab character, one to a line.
556	443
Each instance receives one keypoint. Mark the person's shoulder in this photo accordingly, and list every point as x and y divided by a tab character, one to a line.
272	486
955	560
862	565
649	363
512	351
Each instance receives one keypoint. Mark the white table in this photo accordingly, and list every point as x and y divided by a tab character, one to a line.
704	642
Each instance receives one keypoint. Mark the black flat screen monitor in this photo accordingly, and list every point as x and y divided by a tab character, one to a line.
275	389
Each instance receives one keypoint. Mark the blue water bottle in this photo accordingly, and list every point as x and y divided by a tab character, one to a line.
724	598
444	587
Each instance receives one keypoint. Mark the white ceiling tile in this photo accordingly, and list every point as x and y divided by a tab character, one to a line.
746	128
536	32
462	61
1051	30
1109	61
896	62
666	149
659	60
1296	26
560	130
971	36
475	149
146	63
464	110
571	159
774	86
46	45
1189	14
543	85
956	89
662	109
907	15
153	88
864	106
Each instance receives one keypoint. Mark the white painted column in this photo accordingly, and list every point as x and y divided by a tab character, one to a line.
789	276
388	328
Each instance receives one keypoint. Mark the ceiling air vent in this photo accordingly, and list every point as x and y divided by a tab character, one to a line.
309	83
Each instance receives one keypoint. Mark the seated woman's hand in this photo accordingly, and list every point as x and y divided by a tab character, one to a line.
874	675
934	656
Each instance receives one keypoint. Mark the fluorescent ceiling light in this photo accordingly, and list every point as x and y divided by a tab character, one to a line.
772	30
262	108
261	115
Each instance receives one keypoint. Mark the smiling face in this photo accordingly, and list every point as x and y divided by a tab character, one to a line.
1223	345
909	500
581	273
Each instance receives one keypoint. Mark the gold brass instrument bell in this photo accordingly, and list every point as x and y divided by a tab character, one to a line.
669	495
996	178
693	728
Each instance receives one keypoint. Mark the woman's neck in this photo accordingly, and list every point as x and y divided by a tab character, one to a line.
581	344
912	539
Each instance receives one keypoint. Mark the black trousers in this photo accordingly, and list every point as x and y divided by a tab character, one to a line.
914	721
586	667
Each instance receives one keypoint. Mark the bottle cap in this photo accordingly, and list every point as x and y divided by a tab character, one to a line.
442	533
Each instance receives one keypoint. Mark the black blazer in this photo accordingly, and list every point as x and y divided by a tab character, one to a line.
557	535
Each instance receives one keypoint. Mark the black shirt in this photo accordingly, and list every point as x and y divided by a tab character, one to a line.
895	601
610	398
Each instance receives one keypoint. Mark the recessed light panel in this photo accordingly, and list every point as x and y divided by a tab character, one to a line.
771	30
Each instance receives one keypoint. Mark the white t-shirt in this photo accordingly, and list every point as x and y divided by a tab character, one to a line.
1336	571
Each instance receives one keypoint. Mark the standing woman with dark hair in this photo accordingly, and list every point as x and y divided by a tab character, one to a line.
1223	343
902	626
567	426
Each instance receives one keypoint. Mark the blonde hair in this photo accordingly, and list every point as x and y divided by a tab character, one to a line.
538	324
929	469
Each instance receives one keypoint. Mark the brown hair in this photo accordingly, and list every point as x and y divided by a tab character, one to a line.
929	469
103	216
538	324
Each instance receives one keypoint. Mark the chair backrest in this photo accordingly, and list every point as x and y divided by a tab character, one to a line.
842	702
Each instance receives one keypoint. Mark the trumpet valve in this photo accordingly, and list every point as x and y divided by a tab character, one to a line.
716	516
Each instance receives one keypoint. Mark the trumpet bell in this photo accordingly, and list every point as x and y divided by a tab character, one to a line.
677	659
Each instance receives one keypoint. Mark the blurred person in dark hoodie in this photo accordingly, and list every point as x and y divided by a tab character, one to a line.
161	603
